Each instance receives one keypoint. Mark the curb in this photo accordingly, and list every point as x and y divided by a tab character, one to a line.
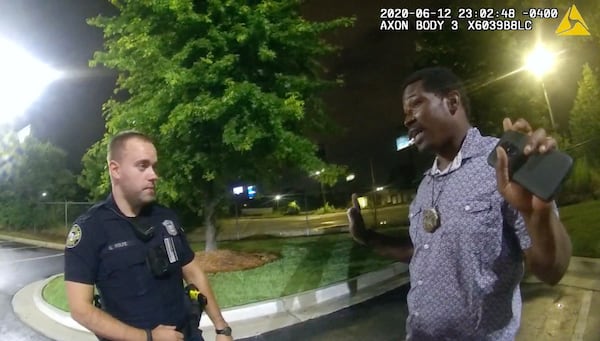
40	243
244	319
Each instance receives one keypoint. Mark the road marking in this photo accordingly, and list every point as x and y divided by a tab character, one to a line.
583	316
19	248
30	259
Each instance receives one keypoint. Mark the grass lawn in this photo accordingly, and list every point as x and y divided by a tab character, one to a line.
583	224
305	263
311	262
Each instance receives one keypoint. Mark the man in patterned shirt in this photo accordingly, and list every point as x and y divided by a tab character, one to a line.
471	228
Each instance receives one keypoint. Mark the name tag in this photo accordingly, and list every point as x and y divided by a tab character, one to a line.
118	245
171	251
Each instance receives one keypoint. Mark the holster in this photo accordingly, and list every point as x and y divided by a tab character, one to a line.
197	303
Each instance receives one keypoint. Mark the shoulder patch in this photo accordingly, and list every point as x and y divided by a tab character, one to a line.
168	224
74	236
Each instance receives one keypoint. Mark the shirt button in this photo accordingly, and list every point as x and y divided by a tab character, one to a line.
467	208
426	246
416	313
419	282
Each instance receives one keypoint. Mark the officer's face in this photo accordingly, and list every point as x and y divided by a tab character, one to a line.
135	171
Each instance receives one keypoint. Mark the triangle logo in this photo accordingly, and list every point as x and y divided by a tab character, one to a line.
572	24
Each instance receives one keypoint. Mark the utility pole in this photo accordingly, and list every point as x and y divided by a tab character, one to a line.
374	192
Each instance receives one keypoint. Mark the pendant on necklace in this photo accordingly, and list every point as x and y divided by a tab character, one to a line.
431	220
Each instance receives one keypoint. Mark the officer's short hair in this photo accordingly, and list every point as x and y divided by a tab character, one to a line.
439	80
117	142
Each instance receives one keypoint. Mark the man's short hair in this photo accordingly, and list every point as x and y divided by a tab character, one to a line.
440	81
117	142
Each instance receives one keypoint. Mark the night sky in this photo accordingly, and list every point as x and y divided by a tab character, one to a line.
368	108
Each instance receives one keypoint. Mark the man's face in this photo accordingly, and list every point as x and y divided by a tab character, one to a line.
426	116
135	172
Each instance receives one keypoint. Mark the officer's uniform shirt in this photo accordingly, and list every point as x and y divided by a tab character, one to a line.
102	249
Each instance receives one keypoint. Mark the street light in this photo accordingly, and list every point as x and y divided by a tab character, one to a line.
539	62
22	80
317	174
277	198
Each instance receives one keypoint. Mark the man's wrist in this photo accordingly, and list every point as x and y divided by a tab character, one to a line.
223	331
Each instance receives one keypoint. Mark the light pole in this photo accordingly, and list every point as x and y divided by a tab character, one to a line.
317	175
539	62
277	198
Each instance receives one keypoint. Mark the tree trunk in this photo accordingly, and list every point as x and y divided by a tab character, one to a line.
211	227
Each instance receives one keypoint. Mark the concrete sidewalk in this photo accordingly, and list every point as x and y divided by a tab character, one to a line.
246	321
567	311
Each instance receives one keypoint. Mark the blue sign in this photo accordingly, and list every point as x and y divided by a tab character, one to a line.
251	192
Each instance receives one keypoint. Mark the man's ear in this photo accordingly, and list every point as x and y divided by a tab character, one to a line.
113	169
452	100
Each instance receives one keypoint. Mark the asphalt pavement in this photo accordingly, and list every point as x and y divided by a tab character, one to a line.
21	264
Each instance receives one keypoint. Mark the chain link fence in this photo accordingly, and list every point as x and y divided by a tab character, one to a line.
64	213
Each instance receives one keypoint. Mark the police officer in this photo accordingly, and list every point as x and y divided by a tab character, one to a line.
134	251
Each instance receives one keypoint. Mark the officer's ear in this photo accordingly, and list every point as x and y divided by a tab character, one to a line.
113	169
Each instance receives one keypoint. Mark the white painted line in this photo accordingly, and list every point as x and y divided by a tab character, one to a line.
30	259
583	316
19	248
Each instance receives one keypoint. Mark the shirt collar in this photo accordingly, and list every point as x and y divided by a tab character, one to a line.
110	203
470	148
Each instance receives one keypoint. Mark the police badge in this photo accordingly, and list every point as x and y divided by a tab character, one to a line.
74	236
170	226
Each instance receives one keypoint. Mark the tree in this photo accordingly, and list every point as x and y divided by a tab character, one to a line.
489	62
28	170
584	118
228	89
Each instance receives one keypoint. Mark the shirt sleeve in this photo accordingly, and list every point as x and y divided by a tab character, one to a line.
186	252
81	253
514	220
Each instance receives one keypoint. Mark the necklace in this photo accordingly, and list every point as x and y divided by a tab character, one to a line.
431	216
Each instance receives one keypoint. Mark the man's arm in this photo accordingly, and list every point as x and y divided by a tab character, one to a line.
397	248
549	255
79	296
193	274
550	251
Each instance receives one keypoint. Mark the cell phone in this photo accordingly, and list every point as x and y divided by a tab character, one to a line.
540	174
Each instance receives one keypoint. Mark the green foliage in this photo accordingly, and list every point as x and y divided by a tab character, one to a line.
330	174
94	176
292	208
578	185
327	208
584	119
27	170
229	90
491	64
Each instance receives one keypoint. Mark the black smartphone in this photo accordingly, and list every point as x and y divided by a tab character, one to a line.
541	174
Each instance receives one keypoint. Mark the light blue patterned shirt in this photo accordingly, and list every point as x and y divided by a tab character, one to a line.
465	275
